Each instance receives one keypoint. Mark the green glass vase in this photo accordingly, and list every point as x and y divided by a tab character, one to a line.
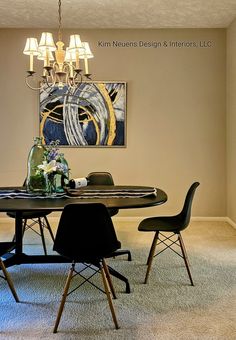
36	181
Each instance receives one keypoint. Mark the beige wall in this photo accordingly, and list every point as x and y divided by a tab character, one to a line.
231	121
175	114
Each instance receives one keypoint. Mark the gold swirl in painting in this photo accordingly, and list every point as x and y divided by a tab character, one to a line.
112	119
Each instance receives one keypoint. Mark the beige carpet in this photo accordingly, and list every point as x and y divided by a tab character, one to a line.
167	308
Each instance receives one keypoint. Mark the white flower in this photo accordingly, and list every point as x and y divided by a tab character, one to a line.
48	167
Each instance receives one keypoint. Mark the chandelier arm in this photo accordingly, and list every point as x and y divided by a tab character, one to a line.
49	85
77	75
29	85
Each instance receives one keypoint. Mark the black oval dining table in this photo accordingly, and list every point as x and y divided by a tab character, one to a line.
18	204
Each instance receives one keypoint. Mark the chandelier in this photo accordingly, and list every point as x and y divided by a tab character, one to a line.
60	66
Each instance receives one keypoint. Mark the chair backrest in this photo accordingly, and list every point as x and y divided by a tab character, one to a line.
85	233
185	213
100	178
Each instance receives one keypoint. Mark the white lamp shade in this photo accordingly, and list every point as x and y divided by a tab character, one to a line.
46	42
71	54
42	55
75	42
31	47
86	54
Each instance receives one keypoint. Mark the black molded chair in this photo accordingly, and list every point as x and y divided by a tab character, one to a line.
6	247
171	224
105	178
30	219
86	235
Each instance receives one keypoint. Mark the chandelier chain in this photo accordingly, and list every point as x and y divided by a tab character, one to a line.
59	19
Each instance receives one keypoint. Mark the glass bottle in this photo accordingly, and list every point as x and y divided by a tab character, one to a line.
36	181
76	183
62	180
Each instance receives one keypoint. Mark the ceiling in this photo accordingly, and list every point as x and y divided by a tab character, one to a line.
118	13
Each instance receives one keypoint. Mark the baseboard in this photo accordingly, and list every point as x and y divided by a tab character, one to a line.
194	218
231	222
210	218
55	216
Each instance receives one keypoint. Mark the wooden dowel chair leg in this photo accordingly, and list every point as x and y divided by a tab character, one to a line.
109	279
150	256
105	283
9	280
64	295
153	245
185	257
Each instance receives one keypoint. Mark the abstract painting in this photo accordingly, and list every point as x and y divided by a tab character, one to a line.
92	114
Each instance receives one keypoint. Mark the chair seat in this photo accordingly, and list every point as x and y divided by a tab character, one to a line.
6	247
30	214
162	223
92	257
